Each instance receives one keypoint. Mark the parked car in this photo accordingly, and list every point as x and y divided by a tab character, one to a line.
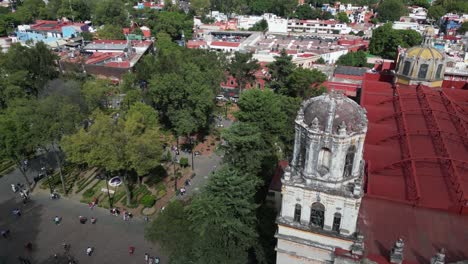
197	153
220	97
234	99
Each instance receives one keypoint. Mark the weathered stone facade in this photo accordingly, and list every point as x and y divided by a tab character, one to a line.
322	187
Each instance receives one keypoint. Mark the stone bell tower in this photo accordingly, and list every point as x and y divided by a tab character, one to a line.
322	187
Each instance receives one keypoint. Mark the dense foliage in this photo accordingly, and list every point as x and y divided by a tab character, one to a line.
386	40
391	10
355	59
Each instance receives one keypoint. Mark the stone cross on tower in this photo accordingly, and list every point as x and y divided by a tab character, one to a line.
396	255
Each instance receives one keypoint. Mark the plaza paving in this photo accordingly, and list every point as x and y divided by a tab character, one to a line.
110	236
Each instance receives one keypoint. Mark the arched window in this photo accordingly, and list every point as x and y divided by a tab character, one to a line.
324	158
297	213
406	68
302	154
439	71
317	215
423	71
348	168
336	222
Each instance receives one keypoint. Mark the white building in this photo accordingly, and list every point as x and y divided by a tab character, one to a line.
318	26
322	187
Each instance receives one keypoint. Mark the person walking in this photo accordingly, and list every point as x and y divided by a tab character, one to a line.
146	258
89	251
131	250
5	233
17	212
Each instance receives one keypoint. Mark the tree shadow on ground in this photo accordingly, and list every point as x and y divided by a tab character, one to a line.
23	229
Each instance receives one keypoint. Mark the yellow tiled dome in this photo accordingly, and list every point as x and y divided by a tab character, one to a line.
424	53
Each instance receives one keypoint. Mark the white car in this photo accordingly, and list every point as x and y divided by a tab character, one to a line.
220	97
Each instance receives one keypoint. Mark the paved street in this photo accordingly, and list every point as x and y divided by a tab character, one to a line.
110	236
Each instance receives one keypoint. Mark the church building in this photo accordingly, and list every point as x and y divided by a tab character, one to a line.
322	187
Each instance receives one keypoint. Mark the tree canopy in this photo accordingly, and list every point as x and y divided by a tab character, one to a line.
355	59
125	143
109	31
391	10
304	83
25	71
385	40
243	67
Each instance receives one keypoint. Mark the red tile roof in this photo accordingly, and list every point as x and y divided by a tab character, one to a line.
417	145
225	44
424	231
416	152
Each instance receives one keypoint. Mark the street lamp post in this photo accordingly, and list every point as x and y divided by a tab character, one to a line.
192	146
174	171
108	192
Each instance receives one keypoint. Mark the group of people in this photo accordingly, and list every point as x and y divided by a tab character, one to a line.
151	260
84	219
116	212
23	192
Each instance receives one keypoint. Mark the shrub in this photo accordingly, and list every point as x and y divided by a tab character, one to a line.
147	200
184	162
89	193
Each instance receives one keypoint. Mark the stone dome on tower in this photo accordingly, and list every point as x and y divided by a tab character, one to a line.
330	132
421	64
333	112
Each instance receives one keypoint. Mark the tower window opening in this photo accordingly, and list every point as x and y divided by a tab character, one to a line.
439	71
297	213
406	68
349	161
423	71
324	159
302	155
317	215
336	222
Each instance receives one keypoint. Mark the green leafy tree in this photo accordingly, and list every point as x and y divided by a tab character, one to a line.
172	230
280	70
304	83
320	61
259	7
391	10
110	12
200	6
355	59
436	12
174	24
223	217
59	117
109	31
410	38
261	25
96	93
342	17
262	109
243	67
304	12
18	133
123	144
385	40
463	28
421	3
184	98
29	67
245	147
